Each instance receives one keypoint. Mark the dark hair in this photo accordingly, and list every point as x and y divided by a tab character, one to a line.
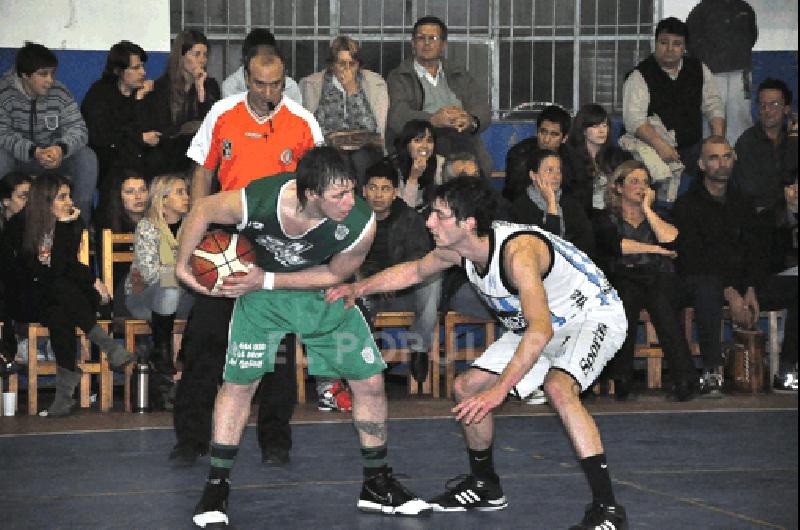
538	156
772	83
382	169
674	26
10	181
119	58
609	156
255	37
115	216
429	19
555	114
267	51
32	57
184	42
319	168
471	197
39	218
416	129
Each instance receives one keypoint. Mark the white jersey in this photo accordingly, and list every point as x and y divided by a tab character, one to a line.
574	285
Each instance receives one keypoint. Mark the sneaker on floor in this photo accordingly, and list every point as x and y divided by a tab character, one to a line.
275	456
185	455
384	494
326	401
711	386
335	397
537	397
212	510
785	382
603	517
466	492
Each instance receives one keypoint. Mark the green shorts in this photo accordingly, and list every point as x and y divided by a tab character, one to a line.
338	341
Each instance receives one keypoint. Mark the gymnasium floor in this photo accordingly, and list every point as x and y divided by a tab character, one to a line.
706	464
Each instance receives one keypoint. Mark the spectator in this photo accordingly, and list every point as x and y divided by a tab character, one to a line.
426	87
110	109
596	157
180	99
461	163
350	104
721	35
155	295
279	131
679	91
401	236
419	166
717	254
48	284
546	205
41	128
766	153
552	128
638	247
778	288
236	84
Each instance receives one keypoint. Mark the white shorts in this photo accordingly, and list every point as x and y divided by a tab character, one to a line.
581	348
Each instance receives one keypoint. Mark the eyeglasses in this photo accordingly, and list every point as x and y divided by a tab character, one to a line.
441	216
346	64
427	38
770	105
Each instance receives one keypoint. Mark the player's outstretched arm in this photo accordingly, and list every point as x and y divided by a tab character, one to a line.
395	278
525	258
221	208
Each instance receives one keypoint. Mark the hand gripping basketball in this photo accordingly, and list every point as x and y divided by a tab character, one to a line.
219	255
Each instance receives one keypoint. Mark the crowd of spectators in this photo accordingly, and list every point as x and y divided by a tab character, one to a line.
148	146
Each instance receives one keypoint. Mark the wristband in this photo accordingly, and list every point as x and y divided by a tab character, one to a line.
269	281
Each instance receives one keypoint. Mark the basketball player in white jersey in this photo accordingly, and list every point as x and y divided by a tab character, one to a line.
564	322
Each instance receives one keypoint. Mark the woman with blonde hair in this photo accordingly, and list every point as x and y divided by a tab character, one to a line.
157	297
638	247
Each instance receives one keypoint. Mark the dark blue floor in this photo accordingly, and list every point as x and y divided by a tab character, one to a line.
690	470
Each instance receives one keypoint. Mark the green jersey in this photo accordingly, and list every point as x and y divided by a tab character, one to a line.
278	252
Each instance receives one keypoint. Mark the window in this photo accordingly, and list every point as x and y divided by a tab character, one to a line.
566	51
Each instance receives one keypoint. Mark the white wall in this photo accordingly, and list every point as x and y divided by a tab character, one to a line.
85	24
777	21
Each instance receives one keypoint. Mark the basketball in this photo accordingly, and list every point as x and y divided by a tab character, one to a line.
220	255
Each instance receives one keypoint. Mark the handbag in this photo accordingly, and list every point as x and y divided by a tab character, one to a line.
745	362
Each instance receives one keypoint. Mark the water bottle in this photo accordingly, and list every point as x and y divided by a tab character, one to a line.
142	377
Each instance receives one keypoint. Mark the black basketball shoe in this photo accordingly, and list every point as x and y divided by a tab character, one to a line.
466	492
603	517
212	510
383	493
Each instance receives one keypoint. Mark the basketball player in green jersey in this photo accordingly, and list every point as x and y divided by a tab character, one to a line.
310	232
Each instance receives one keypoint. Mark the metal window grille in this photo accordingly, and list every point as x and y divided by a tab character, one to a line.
570	52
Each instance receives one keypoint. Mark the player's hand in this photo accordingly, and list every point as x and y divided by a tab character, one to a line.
348	291
474	409
235	286
185	276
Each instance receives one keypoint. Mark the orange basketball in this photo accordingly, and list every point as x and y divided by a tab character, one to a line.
220	254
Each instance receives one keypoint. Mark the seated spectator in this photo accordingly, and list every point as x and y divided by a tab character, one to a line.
110	111
552	128
596	156
39	252
180	99
14	190
420	168
427	87
766	153
151	289
125	207
718	259
350	104
461	163
41	128
638	247
777	289
400	236
669	91
236	83
546	205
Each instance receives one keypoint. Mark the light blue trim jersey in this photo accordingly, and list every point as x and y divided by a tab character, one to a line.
574	285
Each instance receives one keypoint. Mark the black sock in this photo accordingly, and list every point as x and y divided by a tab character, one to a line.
222	459
374	459
596	470
481	464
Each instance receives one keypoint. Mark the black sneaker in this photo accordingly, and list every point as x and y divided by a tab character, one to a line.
186	454
711	386
603	517
383	493
466	492
681	391
275	456
786	382
212	510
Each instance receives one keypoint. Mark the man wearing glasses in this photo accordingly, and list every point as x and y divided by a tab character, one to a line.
427	87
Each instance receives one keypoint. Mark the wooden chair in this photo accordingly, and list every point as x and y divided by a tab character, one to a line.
385	320
85	364
453	353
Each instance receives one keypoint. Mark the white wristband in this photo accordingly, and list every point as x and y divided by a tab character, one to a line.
269	281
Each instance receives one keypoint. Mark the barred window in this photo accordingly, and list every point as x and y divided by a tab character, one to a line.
569	52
